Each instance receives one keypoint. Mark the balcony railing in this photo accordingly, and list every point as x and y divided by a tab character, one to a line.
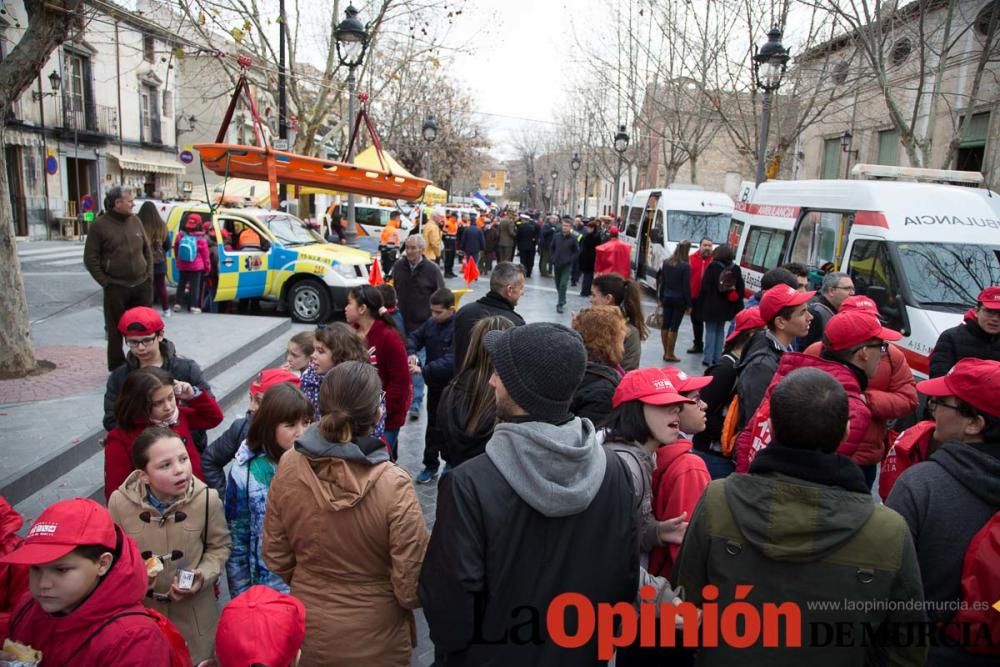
102	120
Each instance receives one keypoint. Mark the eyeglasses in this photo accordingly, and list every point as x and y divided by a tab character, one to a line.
135	343
883	348
848	288
934	403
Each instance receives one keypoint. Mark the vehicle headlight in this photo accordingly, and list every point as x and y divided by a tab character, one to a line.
349	271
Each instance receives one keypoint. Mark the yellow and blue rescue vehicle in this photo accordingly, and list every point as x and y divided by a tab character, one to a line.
275	256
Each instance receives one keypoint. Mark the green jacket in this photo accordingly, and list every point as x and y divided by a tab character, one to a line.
117	251
800	541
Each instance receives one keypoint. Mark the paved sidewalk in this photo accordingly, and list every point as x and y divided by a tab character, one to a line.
77	369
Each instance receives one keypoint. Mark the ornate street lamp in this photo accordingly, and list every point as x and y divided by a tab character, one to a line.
621	145
769	62
352	42
554	175
429	131
574	165
845	145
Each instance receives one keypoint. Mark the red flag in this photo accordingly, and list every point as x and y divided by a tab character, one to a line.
471	271
375	274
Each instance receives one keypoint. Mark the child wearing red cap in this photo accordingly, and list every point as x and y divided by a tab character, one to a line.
217	456
193	260
283	416
951	503
149	398
13	578
87	585
260	627
179	525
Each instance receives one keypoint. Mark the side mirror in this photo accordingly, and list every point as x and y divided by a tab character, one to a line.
265	245
879	295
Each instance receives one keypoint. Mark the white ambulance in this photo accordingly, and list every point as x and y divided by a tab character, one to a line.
921	250
656	220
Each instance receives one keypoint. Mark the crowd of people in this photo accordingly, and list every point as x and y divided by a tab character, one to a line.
562	467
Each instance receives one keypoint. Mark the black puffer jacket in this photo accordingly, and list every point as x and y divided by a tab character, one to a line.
592	399
223	449
966	340
182	368
588	251
489	305
715	305
757	366
457	446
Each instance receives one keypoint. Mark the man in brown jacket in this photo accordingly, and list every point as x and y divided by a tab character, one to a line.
119	257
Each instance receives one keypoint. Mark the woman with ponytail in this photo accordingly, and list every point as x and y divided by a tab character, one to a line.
344	529
610	289
366	312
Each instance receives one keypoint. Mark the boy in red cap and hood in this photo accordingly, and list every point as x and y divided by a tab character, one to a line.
951	503
87	583
260	627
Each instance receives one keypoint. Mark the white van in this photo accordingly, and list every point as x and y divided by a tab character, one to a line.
922	251
656	220
373	218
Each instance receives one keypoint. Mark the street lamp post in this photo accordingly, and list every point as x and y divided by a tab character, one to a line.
554	175
429	132
54	82
769	63
574	165
352	41
541	191
621	145
845	145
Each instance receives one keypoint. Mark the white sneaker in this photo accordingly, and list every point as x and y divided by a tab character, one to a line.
195	311
167	313
177	307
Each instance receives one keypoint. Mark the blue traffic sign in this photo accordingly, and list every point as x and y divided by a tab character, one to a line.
187	157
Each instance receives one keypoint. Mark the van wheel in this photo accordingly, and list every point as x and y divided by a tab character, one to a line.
309	302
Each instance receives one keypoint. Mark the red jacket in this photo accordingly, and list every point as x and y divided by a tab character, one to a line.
891	394
614	256
129	641
698	264
910	448
13	578
757	433
679	480
200	413
389	357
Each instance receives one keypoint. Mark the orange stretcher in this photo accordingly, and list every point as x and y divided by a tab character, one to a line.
262	163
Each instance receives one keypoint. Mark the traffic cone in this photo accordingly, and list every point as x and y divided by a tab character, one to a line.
470	271
375	275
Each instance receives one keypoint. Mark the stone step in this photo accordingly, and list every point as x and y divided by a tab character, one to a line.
47	439
86	480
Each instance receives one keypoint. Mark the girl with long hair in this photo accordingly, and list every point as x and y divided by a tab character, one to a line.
610	289
467	413
367	313
156	231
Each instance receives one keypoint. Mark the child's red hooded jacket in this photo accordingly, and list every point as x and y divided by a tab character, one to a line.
133	640
13	578
679	480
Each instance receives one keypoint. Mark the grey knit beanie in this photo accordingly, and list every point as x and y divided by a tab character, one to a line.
541	365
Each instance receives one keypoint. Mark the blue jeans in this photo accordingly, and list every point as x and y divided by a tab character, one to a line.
418	384
392	439
715	338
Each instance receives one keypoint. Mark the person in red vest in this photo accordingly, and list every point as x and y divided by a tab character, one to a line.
614	256
699	260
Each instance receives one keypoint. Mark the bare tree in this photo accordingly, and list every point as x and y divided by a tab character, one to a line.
907	50
49	23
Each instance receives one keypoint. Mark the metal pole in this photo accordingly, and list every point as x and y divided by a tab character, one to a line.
586	190
352	232
572	197
618	180
282	98
45	159
765	124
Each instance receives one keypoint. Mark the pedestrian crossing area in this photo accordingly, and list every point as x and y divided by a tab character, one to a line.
51	256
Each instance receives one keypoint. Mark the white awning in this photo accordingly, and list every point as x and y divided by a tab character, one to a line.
145	166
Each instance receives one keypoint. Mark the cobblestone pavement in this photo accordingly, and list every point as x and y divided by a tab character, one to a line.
77	370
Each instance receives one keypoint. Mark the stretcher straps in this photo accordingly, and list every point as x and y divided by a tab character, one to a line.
242	87
363	113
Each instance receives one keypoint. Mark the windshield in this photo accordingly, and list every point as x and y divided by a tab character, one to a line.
289	230
694	226
949	276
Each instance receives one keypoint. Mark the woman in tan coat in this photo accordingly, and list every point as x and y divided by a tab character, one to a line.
344	529
179	524
431	231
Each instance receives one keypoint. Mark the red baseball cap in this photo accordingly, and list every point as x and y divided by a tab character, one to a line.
649	385
975	381
859	302
62	527
260	626
847	329
270	377
686	383
990	298
140	321
781	296
613	230
746	319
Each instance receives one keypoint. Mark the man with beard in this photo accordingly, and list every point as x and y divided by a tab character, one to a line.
544	511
